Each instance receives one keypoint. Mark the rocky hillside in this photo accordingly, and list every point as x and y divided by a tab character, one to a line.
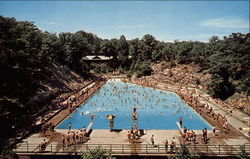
185	75
19	109
191	76
35	67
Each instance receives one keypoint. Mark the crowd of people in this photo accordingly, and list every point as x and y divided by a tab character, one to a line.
199	103
47	128
75	100
190	96
193	98
134	135
70	101
74	137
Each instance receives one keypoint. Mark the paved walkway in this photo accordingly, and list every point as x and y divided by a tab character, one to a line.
101	137
65	112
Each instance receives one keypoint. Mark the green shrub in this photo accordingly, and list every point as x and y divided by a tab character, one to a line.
243	154
183	153
98	153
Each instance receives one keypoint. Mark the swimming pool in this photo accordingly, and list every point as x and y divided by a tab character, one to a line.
156	109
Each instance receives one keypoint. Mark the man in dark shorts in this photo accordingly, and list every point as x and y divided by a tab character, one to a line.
166	145
43	145
152	140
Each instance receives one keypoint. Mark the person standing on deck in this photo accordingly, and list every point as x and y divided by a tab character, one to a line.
152	140
214	130
68	139
74	137
173	144
205	135
81	136
63	140
43	145
166	145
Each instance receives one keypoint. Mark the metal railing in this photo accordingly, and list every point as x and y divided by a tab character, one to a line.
133	149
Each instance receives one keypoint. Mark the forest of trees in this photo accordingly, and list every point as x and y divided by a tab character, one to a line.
23	47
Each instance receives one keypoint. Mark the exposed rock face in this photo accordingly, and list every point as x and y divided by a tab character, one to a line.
191	76
61	80
19	111
188	75
240	101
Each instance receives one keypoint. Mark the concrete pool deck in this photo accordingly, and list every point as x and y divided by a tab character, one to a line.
236	120
102	137
117	141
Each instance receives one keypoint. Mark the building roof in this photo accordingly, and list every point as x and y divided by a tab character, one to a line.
97	57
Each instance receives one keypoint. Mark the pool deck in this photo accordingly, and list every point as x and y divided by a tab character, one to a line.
97	136
101	137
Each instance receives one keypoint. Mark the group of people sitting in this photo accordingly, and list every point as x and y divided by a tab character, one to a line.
73	137
134	135
188	136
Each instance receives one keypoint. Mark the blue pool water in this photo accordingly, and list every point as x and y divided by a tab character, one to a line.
156	109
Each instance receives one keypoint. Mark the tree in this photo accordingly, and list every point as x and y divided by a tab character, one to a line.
220	87
158	51
150	43
197	53
143	68
107	48
133	48
51	47
183	53
169	53
183	153
243	154
123	51
97	153
214	39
